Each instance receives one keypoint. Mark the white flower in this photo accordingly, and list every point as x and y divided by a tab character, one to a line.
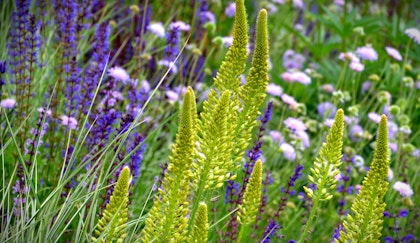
414	34
403	188
157	29
375	117
119	74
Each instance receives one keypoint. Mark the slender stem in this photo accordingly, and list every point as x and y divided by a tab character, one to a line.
241	233
311	218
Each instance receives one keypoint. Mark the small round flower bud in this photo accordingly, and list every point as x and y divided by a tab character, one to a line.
395	110
374	77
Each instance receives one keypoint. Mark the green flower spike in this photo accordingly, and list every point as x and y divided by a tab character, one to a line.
326	168
112	225
167	220
252	199
364	224
201	225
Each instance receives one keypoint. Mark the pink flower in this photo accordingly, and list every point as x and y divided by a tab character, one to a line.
302	78
230	10
274	89
172	95
329	122
276	136
157	29
180	25
367	53
349	56
119	74
294	124
403	188
329	88
394	53
227	41
288	151
390	174
8	103
287	77
289	100
166	63
298	4
69	122
375	117
357	66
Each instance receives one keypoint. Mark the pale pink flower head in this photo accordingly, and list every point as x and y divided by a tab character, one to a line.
394	53
329	122
230	10
339	2
329	88
288	151
375	117
289	100
349	56
403	188
414	34
119	74
298	4
69	122
172	95
390	174
294	124
166	63
302	78
367	53
179	25
277	137
274	89
357	66
227	41
157	29
287	77
8	103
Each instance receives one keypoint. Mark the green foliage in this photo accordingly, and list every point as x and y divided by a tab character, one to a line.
111	227
167	220
365	222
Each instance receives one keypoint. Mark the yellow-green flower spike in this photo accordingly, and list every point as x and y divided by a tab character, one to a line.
253	92
167	220
252	199
228	76
201	225
326	165
326	168
112	225
365	222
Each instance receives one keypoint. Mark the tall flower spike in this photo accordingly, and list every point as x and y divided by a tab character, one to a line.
326	168
167	220
365	222
252	199
112	225
201	225
253	92
228	76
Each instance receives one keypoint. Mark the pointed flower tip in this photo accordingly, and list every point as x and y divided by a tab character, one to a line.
384	118
263	12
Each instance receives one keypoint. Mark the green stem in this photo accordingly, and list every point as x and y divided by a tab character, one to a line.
241	233
311	218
